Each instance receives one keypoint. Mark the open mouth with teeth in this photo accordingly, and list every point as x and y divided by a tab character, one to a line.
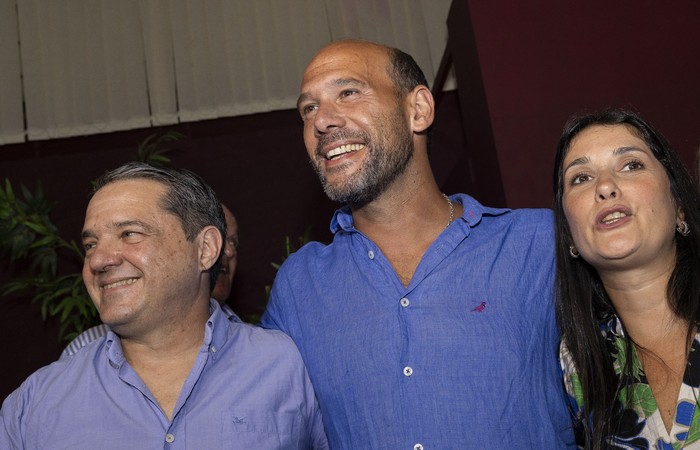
119	283
613	217
343	149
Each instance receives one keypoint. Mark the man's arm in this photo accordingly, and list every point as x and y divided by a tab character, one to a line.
280	295
11	421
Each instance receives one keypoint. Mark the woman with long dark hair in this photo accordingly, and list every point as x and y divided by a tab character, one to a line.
628	284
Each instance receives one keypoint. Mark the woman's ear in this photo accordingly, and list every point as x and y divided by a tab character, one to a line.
422	109
210	246
680	215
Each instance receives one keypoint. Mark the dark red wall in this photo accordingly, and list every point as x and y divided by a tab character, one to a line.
543	60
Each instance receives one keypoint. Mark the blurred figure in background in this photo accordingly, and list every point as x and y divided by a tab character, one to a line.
229	260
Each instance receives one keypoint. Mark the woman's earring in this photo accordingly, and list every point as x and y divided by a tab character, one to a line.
683	228
573	252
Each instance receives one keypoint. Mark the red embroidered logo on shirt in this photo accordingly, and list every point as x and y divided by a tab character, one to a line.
480	308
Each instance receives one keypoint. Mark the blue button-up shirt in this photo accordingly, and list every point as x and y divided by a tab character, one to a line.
464	357
248	389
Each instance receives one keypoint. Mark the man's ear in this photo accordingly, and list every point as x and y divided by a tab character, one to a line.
422	109
210	246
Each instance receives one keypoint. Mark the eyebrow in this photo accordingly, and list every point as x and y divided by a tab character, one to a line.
118	225
338	82
617	152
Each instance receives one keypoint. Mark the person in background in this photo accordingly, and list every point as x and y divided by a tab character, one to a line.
428	322
221	292
173	371
628	283
229	260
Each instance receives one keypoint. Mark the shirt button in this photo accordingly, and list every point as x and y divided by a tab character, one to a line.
213	348
169	438
407	371
405	302
418	447
370	254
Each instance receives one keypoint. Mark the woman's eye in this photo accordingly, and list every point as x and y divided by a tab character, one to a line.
633	165
580	178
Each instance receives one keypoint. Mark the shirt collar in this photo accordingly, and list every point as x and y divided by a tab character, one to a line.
215	334
472	214
216	331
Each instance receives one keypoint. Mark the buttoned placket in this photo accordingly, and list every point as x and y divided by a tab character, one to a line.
405	306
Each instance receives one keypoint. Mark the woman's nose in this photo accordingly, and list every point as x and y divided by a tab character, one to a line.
607	187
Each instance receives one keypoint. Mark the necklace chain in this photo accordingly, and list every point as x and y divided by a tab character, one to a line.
452	209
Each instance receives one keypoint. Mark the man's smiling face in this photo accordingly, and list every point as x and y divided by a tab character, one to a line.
355	125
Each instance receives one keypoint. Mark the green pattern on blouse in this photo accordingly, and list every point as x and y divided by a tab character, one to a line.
641	423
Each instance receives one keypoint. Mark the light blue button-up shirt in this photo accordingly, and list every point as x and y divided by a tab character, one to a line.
464	357
100	330
248	389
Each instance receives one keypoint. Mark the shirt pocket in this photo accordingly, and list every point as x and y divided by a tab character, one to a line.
262	430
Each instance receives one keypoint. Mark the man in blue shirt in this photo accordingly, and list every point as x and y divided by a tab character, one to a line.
428	322
173	372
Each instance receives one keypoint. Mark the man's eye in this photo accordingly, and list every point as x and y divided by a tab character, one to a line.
307	110
348	92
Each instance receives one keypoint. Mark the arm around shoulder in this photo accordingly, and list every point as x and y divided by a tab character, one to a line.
11	421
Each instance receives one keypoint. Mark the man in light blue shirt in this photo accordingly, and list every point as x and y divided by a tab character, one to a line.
428	322
221	291
173	372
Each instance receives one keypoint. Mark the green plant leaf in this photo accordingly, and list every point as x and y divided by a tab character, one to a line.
9	192
27	233
153	149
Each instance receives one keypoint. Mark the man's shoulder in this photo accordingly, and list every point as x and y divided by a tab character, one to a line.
536	215
528	233
475	212
534	220
310	253
258	339
265	350
83	339
57	378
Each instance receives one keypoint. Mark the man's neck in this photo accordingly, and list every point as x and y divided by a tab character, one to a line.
165	358
404	221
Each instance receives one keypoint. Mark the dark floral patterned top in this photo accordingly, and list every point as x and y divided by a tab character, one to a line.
641	423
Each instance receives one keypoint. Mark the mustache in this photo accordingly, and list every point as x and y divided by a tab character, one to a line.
339	135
